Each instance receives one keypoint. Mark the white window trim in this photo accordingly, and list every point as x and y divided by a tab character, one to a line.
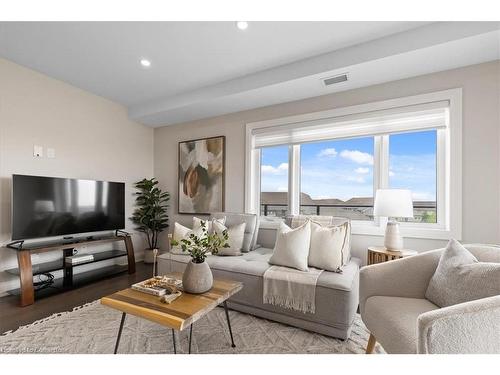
449	165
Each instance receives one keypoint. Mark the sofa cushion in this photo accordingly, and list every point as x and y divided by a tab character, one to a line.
327	242
235	237
181	232
393	321
460	277
208	223
294	221
251	227
292	246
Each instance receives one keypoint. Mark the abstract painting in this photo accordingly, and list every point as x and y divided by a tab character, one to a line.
201	176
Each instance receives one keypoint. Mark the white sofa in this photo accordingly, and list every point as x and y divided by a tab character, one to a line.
336	293
394	309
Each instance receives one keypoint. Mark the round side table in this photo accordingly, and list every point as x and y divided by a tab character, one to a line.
379	254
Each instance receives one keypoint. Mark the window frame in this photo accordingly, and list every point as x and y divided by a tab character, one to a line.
448	165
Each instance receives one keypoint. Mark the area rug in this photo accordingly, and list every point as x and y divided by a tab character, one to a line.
93	328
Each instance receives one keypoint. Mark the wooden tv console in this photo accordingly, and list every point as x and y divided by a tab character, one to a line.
26	270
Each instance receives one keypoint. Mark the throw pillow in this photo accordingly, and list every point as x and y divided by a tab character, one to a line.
181	232
235	234
460	277
209	223
327	243
292	246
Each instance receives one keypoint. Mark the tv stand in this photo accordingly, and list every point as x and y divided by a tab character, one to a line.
26	270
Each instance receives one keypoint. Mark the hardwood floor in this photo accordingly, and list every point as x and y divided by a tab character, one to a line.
12	316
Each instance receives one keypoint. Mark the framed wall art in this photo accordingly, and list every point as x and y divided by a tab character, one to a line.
202	176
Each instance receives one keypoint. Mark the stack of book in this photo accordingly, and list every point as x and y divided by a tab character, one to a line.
159	286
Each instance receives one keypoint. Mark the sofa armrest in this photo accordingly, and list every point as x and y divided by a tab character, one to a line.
407	277
466	328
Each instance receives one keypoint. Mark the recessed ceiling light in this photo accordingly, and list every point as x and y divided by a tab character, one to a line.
242	25
145	63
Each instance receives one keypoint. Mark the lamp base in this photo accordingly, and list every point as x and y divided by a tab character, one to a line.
393	240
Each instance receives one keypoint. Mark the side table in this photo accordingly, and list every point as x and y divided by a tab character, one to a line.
379	254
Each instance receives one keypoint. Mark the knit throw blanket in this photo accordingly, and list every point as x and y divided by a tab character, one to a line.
291	288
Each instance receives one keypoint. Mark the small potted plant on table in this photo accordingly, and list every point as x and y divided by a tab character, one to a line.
197	277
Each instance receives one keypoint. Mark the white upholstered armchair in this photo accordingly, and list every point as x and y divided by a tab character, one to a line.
394	309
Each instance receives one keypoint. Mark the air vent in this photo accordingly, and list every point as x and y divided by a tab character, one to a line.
334	80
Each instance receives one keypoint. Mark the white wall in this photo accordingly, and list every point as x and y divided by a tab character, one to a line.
92	136
481	139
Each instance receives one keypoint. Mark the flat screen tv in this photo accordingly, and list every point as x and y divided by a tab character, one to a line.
51	206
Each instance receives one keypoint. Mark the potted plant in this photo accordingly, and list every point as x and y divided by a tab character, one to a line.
150	215
197	277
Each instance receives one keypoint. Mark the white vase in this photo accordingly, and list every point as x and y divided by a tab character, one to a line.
148	256
197	278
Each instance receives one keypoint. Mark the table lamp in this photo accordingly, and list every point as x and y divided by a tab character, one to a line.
392	203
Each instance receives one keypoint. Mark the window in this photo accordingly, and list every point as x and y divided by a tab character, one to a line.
332	162
274	181
336	178
412	165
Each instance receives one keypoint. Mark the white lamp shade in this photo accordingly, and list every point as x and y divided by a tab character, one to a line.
393	203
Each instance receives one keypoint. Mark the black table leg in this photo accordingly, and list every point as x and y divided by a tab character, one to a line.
173	339
120	332
229	324
190	337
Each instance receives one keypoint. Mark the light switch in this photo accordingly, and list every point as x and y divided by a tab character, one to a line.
51	153
37	151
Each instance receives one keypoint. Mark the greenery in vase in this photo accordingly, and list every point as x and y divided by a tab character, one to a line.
150	216
200	246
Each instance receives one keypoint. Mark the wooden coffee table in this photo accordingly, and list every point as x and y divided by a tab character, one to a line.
178	315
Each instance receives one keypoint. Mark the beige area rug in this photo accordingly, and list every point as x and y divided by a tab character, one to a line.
93	328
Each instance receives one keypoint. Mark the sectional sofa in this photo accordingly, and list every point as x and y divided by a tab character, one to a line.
336	293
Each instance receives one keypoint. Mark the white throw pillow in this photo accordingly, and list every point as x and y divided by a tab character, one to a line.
326	247
292	246
460	277
236	235
209	223
181	232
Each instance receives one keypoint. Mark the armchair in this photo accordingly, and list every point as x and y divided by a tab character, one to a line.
394	309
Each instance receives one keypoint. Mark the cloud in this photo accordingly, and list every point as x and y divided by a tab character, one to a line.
357	156
282	188
358	179
269	169
391	174
362	170
328	152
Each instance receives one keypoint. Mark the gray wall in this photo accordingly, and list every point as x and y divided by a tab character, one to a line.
92	136
481	155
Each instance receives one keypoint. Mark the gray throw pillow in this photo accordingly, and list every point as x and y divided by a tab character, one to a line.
460	277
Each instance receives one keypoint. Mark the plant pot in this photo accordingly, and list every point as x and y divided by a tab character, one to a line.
197	278
148	256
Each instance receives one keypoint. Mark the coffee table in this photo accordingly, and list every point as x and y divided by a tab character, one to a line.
178	315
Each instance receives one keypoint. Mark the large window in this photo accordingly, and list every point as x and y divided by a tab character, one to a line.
412	165
332	163
336	178
274	181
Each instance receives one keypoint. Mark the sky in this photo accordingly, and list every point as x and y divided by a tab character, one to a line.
343	169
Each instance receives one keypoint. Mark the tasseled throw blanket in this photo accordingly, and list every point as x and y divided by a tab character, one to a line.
291	288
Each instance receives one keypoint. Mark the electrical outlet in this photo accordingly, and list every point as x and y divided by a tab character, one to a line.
38	151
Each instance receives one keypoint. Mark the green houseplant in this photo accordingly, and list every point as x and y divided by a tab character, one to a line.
198	278
150	215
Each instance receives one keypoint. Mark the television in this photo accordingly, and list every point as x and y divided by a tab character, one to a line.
53	206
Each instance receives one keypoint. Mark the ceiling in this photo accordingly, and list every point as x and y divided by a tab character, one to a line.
201	69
